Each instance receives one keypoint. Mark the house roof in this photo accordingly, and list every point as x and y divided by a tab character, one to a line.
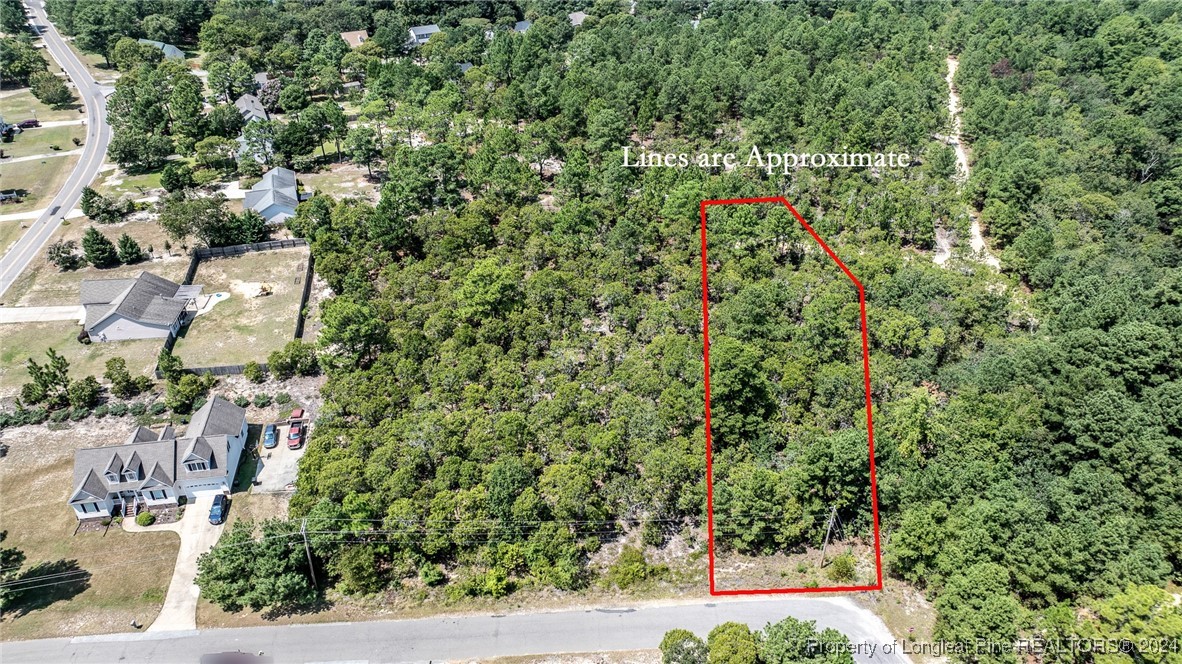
355	38
277	187
421	33
522	26
171	52
250	108
147	299
158	458
576	18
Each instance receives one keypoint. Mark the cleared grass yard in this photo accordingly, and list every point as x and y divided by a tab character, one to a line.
23	105
244	327
40	139
38	181
128	573
42	284
20	341
10	231
117	183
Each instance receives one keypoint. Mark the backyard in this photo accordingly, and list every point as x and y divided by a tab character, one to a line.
43	284
110	578
42	140
20	105
20	341
249	324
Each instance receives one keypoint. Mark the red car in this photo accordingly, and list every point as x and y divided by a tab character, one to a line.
296	415
295	436
29	124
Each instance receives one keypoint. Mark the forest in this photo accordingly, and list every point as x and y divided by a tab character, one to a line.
514	349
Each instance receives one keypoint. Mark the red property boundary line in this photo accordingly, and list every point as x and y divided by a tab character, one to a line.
709	438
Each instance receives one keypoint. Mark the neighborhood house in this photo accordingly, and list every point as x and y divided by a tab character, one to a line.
153	470
170	52
421	33
355	38
275	196
146	307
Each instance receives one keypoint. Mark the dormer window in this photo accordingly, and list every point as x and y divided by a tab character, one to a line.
194	466
112	477
129	476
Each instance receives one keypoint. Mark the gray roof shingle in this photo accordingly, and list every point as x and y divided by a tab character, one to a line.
146	299
278	187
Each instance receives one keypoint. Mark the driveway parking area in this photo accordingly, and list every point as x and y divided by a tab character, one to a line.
277	466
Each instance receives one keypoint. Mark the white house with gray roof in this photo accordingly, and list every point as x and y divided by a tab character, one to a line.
275	196
152	469
420	34
146	307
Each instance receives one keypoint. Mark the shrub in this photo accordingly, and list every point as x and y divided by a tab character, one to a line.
101	411
241	401
145	519
283	398
253	372
79	413
59	416
842	568
733	643
84	393
681	646
262	400
117	409
157	408
138	409
432	574
632	568
106	521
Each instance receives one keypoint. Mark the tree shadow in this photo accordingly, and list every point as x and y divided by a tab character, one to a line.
44	584
317	606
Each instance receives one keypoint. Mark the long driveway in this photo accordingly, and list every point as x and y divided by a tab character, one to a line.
469	637
98	135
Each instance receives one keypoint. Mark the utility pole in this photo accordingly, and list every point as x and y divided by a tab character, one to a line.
828	532
311	567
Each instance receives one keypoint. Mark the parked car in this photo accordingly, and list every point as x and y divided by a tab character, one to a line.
295	436
269	438
296	415
217	513
29	124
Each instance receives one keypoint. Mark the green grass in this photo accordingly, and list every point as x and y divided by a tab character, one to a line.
40	139
10	232
38	180
23	106
20	341
138	186
242	328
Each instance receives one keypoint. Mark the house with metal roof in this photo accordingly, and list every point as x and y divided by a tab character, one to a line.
145	307
355	38
170	52
420	34
153	469
275	196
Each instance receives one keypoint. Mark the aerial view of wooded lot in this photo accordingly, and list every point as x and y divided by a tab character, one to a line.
511	330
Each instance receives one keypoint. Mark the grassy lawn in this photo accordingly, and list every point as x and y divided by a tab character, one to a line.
117	183
95	64
23	105
40	139
339	181
39	181
42	284
20	341
10	232
115	576
244	327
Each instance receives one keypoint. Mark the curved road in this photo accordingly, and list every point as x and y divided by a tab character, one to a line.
469	637
98	135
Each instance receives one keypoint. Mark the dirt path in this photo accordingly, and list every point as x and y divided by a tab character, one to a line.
976	238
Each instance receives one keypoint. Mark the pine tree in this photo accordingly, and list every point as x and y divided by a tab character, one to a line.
129	250
99	251
90	202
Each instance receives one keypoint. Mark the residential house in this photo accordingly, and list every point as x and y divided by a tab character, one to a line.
522	26
260	79
275	196
250	108
153	469
576	19
146	307
355	38
170	52
420	34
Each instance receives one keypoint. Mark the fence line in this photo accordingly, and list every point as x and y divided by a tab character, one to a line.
203	253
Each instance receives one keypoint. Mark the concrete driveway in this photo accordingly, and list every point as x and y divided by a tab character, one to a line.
278	466
197	537
41	314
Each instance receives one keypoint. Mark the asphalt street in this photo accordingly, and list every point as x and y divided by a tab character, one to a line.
468	637
98	135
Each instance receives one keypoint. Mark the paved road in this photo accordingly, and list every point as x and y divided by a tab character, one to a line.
74	312
98	135
467	637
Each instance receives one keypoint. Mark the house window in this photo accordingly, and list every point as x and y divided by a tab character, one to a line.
112	477
130	476
196	465
157	495
89	507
